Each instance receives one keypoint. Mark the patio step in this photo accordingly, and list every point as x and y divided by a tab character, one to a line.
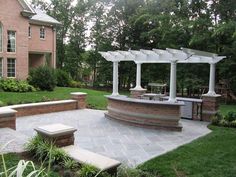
87	157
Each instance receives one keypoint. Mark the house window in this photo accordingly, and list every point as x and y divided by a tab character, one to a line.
11	41
11	67
29	31
42	33
1	37
1	67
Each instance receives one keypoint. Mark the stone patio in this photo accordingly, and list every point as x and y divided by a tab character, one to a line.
130	145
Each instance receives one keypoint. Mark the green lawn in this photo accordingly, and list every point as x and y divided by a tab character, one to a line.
95	99
226	108
211	156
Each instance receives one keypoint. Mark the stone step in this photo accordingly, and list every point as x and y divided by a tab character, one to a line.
87	157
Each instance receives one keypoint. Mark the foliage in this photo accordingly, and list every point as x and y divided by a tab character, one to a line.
45	151
63	78
69	163
43	78
87	171
13	85
202	157
228	120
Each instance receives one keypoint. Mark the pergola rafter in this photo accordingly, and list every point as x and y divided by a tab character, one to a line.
172	56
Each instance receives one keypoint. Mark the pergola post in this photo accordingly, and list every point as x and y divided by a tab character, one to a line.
172	95
137	91
211	90
115	79
138	76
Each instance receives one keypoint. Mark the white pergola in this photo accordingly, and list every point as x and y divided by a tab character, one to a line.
172	56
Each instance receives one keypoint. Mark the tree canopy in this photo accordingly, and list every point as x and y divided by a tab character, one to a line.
90	26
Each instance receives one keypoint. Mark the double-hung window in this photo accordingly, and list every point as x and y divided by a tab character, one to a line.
11	41
42	33
11	67
1	38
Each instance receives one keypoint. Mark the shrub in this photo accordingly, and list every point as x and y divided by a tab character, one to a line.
216	119
230	116
76	84
13	85
87	171
69	164
43	78
233	124
63	78
224	123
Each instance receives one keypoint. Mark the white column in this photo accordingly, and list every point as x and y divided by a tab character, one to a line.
172	96
138	77
115	79
212	79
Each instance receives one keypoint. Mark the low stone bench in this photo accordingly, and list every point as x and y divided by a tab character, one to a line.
60	134
87	157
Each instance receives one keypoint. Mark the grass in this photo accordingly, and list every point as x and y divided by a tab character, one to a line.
224	109
211	155
95	99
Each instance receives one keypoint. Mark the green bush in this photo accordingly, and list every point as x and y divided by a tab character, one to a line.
76	84
216	119
43	78
132	172
13	85
230	116
87	171
63	78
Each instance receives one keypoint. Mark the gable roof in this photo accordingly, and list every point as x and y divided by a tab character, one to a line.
26	7
37	16
42	17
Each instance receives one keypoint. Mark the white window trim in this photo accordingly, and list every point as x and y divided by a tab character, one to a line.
1	51
15	67
1	76
42	27
15	42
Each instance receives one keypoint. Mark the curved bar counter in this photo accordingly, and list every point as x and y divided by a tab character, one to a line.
145	113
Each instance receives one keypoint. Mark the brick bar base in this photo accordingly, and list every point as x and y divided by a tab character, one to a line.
210	106
134	93
145	113
80	97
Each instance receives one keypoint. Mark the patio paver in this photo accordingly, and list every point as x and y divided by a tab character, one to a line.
128	144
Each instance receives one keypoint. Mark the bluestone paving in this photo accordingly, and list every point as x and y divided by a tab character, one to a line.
131	145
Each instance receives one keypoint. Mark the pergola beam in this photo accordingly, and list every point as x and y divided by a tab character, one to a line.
172	56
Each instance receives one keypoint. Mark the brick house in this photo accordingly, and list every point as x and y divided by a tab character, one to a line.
27	39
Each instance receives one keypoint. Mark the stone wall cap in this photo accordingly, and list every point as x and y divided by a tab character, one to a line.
40	104
78	93
54	130
6	110
186	99
134	100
